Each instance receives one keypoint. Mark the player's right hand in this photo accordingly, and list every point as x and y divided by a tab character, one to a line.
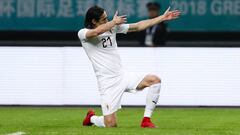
119	19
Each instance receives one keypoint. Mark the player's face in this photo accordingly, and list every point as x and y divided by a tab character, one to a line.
103	19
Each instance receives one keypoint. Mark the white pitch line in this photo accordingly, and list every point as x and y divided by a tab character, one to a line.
17	133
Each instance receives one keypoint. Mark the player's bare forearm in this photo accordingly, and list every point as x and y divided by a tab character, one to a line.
117	20
142	25
105	27
100	29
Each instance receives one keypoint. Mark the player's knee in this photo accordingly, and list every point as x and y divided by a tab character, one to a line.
157	79
153	79
110	122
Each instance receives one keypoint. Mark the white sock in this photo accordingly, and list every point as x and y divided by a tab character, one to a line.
152	99
98	121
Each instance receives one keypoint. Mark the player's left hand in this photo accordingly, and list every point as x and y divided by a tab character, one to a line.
171	15
119	19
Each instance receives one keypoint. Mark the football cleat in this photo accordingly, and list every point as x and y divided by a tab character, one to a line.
87	120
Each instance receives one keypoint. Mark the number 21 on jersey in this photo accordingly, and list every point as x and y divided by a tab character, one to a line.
106	41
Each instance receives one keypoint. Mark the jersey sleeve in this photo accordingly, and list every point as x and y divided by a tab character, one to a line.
82	34
123	28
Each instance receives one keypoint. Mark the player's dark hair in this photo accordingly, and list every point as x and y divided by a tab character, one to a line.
94	12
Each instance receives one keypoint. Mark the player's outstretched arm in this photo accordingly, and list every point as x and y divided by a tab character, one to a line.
142	25
117	20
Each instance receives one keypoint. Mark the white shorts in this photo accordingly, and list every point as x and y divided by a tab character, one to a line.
112	89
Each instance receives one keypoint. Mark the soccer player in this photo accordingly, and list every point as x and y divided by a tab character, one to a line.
98	39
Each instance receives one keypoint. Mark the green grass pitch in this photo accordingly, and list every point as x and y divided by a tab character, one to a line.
170	121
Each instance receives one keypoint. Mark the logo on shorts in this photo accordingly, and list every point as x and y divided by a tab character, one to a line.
154	102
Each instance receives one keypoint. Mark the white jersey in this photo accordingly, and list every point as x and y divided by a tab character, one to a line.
102	51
